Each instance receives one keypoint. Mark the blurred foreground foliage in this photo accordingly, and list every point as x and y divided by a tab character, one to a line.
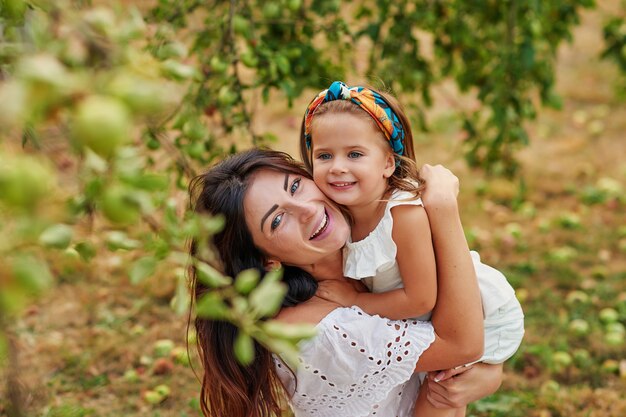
107	112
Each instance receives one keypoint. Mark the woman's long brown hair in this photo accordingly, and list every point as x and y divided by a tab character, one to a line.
228	388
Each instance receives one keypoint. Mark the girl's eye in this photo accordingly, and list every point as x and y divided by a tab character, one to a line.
294	185
276	222
354	154
323	156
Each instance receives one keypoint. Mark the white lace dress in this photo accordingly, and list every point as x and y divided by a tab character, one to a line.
373	260
358	365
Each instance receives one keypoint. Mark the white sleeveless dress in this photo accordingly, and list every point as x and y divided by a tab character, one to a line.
373	260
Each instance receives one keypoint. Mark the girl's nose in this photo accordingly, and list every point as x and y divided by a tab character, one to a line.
338	167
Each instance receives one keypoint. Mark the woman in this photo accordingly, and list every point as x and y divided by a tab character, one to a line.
358	365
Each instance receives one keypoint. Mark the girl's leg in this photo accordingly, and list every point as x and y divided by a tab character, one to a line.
423	407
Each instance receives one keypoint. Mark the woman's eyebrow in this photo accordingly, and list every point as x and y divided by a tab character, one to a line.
275	206
270	211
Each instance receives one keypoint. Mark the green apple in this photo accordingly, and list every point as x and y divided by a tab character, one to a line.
294	5
582	357
241	25
610	366
614	339
271	10
579	327
153	397
163	347
131	375
550	387
575	297
218	65
141	94
180	356
118	205
102	124
616	327
608	315
23	181
562	358
163	390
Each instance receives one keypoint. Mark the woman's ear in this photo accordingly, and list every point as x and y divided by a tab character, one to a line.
390	165
272	265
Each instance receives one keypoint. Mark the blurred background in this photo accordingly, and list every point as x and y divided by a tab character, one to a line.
108	109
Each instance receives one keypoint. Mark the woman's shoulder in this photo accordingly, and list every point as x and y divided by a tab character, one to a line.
312	311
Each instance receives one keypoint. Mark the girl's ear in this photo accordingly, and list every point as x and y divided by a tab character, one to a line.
272	265
390	165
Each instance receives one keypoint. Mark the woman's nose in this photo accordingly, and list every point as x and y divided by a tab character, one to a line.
306	210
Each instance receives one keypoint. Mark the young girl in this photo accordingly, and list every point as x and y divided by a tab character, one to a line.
358	144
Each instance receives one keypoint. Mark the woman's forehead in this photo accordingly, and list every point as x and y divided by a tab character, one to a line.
267	178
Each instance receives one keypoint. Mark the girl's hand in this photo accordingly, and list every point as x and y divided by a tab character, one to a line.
461	386
442	186
343	293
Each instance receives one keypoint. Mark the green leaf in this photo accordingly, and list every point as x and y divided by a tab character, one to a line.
142	269
57	236
293	332
145	181
211	306
288	351
267	298
32	274
180	301
86	250
178	70
119	240
213	224
247	280
244	348
211	276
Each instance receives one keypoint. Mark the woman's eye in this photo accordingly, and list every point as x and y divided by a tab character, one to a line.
276	222
295	185
323	156
354	154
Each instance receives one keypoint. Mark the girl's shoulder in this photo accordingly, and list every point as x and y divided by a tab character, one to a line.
403	198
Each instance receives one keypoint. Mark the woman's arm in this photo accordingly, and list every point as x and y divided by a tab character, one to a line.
457	317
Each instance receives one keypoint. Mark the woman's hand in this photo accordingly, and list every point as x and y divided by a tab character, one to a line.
442	186
460	386
343	293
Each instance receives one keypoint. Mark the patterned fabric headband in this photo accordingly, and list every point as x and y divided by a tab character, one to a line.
370	101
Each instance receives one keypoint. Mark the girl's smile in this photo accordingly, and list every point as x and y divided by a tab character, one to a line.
352	160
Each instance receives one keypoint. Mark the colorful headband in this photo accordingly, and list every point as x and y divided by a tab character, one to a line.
370	101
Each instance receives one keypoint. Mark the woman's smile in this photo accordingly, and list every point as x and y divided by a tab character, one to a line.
322	227
290	215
